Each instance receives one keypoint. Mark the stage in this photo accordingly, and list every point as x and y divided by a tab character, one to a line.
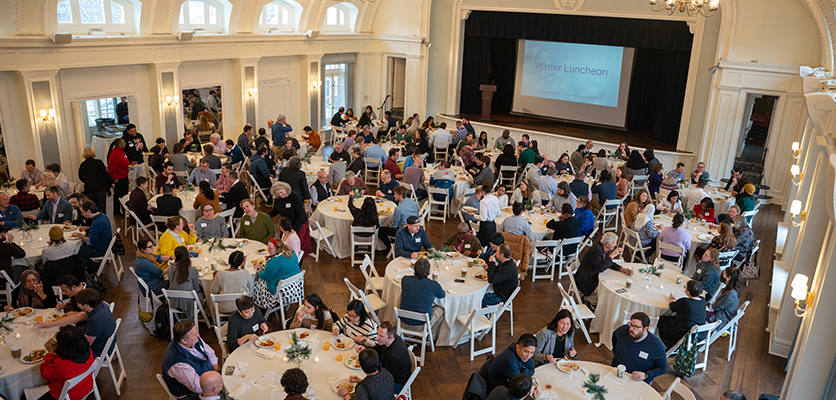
639	140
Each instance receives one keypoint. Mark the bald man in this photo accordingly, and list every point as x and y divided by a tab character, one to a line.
211	384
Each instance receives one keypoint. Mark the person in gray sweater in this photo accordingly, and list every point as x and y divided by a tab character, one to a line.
725	307
184	276
210	225
234	279
556	340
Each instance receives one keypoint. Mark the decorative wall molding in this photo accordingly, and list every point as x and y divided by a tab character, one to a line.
19	23
568	5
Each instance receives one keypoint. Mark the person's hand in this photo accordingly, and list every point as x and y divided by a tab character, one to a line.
251	337
639	376
573	353
60	306
83	228
363	191
414	255
10	238
191	227
360	348
379	194
672	297
68	223
49	345
359	339
264	327
336	331
550	358
471	214
536	391
8	308
354	379
76	234
341	391
39	289
300	316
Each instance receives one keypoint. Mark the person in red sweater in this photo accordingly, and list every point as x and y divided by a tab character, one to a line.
117	167
68	356
705	210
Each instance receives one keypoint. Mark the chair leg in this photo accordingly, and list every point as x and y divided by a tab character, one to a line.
585	332
511	311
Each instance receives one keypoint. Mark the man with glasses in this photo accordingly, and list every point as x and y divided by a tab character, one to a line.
515	359
639	350
210	225
598	259
464	241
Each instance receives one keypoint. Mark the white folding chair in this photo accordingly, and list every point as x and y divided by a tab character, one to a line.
637	184
320	235
156	220
362	244
217	298
605	215
227	215
220	333
705	343
107	360
479	322
579	310
168	392
750	215
257	189
373	302
113	258
507	175
297	295
197	307
680	389
123	201
508	305
374	282
660	245
545	251
730	328
182	176
149	296
9	286
590	239
439	206
566	258
412	336
440	151
406	391
726	259
70	384
373	173
633	243
140	227
59	294
424	213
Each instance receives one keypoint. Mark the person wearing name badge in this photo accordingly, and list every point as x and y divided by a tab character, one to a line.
464	241
177	234
256	225
411	239
56	210
386	188
210	225
166	177
638	349
202	173
245	324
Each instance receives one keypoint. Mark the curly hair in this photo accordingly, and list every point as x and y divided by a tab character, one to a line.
294	381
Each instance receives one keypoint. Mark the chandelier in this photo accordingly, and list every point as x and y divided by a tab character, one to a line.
706	8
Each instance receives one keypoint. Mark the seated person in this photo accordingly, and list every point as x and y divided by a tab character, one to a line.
442	178
565	226
418	295
595	261
357	324
387	186
281	264
464	241
210	225
556	340
519	388
411	238
351	183
56	210
639	350
690	311
314	315
24	200
177	234
70	287
68	356
474	203
708	272
586	220
31	293
313	139
320	190
515	359
186	359
671	203
339	154
516	224
493	244
406	208
378	383
734	211
168	205
78	219
137	202
502	275
235	153
203	173
391	164
236	195
97	237
705	210
234	279
294	383
700	173
394	356
152	268
167	177
644	226
724	307
676	236
357	163
255	225
224	182
245	324
100	324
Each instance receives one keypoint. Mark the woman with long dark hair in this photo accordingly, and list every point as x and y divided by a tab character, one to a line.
357	324
556	340
366	215
69	356
563	196
207	195
636	165
482	143
182	275
725	306
621	183
725	241
505	159
563	166
314	315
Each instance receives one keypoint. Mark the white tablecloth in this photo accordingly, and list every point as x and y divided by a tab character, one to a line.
459	187
653	301
16	375
34	248
311	169
700	235
722	200
334	215
571	389
460	298
187	197
538	222
317	372
203	262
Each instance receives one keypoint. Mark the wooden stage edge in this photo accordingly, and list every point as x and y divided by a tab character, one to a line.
575	130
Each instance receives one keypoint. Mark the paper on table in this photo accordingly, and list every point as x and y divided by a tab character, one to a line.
548	394
241	368
265	381
613	377
264	353
239	391
404	269
277	394
629	296
451	291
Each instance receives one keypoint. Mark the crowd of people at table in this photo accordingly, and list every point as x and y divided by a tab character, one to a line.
190	366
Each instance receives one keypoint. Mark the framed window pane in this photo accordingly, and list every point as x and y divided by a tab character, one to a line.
182	11
213	17
92	112
285	17
108	108
117	13
331	16
196	12
342	17
270	14
91	11
65	14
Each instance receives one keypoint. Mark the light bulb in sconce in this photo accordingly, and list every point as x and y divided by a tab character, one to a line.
796	149
799	293
176	99
316	85
795	210
252	92
48	114
171	101
797	175
52	113
168	100
43	115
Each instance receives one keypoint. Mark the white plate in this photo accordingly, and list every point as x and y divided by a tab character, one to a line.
258	342
340	382
705	236
351	361
350	343
30	362
299	333
560	365
17	313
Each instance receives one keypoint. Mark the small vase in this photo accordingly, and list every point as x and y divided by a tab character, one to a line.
297	363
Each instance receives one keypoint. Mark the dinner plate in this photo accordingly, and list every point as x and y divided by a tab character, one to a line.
265	342
567	366
352	362
22	312
481	276
705	236
34	361
346	343
300	333
453	254
68	228
344	382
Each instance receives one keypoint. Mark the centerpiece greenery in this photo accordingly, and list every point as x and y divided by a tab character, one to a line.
307	158
651	269
8	183
436	255
216	244
357	193
593	388
297	352
4	324
188	187
26	227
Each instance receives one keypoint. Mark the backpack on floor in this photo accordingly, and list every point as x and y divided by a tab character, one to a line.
162	329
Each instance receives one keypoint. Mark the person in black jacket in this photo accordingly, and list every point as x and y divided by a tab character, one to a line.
31	293
97	181
378	382
296	178
503	277
290	205
168	204
596	260
689	311
357	163
236	193
339	153
565	226
337	119
394	356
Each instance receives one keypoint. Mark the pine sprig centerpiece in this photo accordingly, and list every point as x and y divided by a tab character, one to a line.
594	389
356	193
216	244
651	269
307	158
436	255
297	352
4	324
26	227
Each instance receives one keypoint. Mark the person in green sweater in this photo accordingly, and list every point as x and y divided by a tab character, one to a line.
256	225
526	155
746	200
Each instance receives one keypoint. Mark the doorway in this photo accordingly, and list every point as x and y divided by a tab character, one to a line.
397	85
751	149
100	121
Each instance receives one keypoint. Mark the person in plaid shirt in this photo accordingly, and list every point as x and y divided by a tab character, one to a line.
461	133
24	200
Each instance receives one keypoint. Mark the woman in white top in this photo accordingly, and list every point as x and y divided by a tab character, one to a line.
643	225
58	248
671	204
235	279
289	236
526	194
501	196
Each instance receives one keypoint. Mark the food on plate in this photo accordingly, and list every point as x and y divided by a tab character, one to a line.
568	366
349	387
266	343
22	312
383	212
304	335
352	362
261	251
422	254
481	275
55	317
70	227
478	261
469	209
343	343
35	355
453	254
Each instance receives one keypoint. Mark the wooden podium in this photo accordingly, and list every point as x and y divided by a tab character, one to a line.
487	97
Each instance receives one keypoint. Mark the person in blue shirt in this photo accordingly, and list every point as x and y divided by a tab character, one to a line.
515	359
639	350
387	186
235	153
700	173
585	217
406	207
100	324
280	129
368	136
473	201
97	238
411	239
418	295
493	244
9	213
151	267
375	151
55	210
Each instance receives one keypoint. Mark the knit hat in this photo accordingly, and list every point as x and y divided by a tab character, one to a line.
749	188
56	233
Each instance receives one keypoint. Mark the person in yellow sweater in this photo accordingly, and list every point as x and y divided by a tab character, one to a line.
176	235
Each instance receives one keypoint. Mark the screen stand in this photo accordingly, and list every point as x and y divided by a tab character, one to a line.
487	97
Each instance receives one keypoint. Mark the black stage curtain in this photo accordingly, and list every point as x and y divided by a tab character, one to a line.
657	89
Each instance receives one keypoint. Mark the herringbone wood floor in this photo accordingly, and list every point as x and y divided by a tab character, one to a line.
446	372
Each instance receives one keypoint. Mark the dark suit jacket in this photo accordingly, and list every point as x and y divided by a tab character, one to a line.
233	198
214	161
357	165
169	205
592	264
94	175
65	212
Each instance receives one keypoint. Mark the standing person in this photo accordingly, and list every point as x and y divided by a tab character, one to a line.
280	129
690	311
288	204
97	238
639	350
96	178
134	147
117	168
488	212
502	275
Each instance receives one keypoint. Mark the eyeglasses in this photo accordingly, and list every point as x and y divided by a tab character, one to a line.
637	327
150	246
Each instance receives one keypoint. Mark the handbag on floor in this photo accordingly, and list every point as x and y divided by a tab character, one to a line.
686	358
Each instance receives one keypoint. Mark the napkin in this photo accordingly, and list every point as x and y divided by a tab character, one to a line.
277	394
241	368
613	377
239	391
548	394
404	269
629	296
266	354
451	291
265	381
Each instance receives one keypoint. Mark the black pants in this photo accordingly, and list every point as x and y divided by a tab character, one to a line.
100	198
669	258
119	191
486	230
383	233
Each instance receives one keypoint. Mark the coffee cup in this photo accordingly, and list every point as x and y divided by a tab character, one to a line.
629	283
621	369
15	351
464	272
469	262
435	275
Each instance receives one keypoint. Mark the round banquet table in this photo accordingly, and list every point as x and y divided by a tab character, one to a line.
334	215
538	222
11	191
16	375
700	234
188	211
653	301
722	199
259	369
312	168
203	262
459	187
34	248
460	298
195	157
565	387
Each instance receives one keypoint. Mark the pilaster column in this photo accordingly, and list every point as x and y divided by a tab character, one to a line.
168	118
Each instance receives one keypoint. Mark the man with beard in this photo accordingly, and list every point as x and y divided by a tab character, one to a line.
639	350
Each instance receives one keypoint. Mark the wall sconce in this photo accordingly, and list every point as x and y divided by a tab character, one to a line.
795	210
796	147
316	85
797	175
47	115
252	92
800	293
171	101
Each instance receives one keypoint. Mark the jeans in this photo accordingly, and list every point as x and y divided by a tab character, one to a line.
383	233
398	388
491	299
87	253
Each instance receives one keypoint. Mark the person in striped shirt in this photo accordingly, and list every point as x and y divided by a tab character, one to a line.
357	324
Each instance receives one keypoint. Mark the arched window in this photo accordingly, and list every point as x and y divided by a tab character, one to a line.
208	15
340	18
280	15
112	16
